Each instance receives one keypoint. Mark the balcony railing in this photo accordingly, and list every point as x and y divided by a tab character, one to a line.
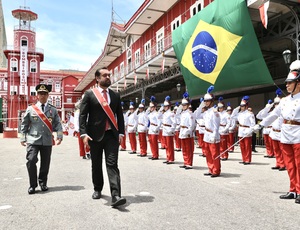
17	49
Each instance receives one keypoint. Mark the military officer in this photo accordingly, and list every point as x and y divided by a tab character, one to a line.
39	121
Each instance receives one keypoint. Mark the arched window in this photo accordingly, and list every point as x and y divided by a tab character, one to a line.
33	66
13	65
57	102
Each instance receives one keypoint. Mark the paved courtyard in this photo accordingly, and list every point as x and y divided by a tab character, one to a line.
158	196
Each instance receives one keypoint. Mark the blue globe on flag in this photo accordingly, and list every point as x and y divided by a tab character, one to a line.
204	52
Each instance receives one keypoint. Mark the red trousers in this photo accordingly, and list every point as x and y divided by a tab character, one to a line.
153	144
223	145
277	150
177	140
123	142
81	146
143	143
200	139
169	148
163	142
230	141
187	150
246	149
291	155
132	141
212	159
268	144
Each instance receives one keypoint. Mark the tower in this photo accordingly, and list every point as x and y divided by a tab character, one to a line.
23	69
3	41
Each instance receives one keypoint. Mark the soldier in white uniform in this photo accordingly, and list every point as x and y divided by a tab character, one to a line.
153	131
186	134
38	123
289	110
169	124
131	126
275	135
246	121
176	136
224	129
232	129
212	136
142	129
266	130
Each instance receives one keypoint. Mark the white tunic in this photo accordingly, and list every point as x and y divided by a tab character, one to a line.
212	125
224	123
261	115
131	122
289	110
245	118
142	122
168	123
186	125
155	123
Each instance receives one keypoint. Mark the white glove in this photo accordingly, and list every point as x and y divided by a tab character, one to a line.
256	127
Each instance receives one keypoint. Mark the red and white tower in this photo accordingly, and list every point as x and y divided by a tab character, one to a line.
23	67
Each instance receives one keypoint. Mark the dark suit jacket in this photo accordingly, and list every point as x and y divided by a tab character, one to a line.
92	117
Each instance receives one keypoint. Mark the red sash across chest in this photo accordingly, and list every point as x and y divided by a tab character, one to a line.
105	106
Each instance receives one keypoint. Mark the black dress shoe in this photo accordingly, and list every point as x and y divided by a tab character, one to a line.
182	166
170	162
122	149
289	195
117	201
254	151
224	159
266	156
165	162
154	158
241	162
96	195
188	167
150	158
215	175
44	188
31	190
133	152
282	169
207	174
297	201
246	163
276	167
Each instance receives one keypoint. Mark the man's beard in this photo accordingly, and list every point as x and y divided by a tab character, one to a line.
105	83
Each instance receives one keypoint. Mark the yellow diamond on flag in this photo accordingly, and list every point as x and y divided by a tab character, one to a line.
208	50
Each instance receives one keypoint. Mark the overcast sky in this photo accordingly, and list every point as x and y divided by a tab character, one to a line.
71	33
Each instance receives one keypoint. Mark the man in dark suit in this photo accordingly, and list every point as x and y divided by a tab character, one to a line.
102	128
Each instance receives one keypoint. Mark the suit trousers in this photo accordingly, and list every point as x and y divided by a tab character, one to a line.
268	143
110	145
32	159
246	149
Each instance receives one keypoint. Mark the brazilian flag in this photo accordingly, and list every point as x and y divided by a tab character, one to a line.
218	46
